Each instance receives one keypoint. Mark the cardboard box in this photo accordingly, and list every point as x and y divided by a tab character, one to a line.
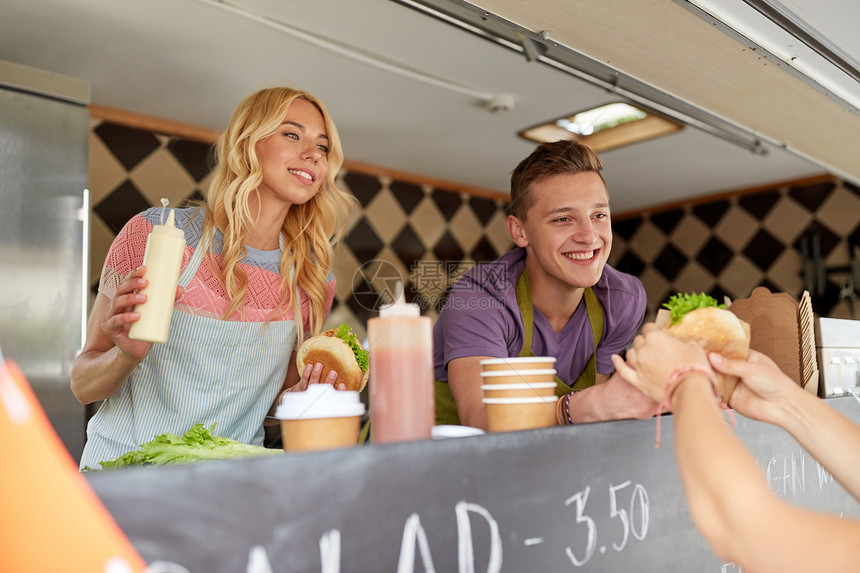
783	329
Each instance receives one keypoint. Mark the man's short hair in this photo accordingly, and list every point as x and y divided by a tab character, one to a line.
548	159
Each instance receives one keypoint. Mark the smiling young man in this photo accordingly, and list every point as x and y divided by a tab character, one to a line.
554	290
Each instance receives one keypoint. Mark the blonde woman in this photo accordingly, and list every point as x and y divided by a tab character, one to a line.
255	281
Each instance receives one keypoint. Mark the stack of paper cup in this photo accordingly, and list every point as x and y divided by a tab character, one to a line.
519	392
320	418
518	363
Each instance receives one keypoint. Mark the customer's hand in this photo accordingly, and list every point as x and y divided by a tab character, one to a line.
763	391
655	353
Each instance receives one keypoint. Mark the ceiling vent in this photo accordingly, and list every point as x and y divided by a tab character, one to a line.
603	128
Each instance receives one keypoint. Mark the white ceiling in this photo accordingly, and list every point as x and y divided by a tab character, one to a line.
192	61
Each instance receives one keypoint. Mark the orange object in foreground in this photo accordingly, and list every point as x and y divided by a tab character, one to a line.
53	519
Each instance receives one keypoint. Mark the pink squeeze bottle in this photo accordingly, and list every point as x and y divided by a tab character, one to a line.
402	404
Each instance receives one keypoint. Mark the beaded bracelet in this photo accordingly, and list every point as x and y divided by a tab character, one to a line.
562	411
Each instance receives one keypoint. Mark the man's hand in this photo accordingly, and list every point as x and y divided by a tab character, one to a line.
615	399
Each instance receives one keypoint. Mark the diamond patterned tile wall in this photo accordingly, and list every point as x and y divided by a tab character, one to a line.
428	236
729	246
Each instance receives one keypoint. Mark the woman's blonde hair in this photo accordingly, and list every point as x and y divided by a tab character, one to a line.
310	229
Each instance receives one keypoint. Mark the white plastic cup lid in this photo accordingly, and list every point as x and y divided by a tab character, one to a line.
454	431
526	400
517	360
497	373
524	386
319	401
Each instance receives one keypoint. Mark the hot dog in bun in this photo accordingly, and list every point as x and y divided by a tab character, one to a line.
337	349
700	319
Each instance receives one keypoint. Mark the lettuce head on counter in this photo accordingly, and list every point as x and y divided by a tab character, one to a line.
197	444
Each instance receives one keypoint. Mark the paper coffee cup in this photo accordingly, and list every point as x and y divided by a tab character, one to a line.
320	418
518	390
518	377
518	363
512	414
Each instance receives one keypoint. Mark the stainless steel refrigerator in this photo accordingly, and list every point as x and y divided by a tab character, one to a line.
44	125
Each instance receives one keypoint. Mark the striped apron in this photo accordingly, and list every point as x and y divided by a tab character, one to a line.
210	371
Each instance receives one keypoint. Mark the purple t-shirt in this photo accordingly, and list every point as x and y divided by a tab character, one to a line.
481	318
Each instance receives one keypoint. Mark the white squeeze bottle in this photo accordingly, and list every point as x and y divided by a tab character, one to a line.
163	259
402	403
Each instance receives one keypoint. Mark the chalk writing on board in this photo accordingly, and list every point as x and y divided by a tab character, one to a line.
787	474
412	532
414	537
330	552
824	477
628	506
258	561
465	553
633	521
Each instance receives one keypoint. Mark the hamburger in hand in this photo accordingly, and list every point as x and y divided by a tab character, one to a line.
700	319
337	349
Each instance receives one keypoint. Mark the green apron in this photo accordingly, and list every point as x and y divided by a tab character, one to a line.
446	408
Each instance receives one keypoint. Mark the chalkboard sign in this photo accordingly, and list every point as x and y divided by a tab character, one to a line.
595	497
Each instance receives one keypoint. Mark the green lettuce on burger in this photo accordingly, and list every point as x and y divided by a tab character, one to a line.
682	303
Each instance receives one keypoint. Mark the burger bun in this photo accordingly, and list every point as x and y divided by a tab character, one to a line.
716	330
334	354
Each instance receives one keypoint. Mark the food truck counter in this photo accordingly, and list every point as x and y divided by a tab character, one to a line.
593	497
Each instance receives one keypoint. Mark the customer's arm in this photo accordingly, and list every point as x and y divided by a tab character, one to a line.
769	395
730	501
732	505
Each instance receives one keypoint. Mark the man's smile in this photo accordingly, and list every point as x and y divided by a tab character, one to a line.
580	256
